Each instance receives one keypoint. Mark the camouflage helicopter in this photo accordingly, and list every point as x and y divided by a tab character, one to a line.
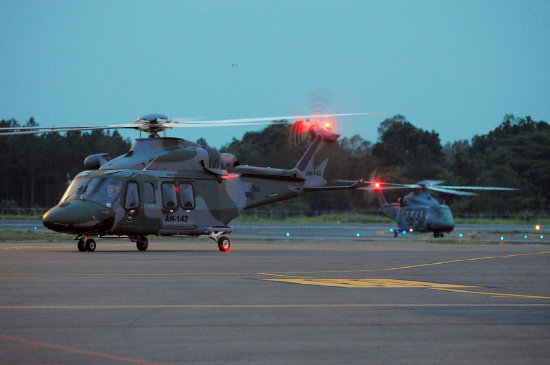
419	211
171	187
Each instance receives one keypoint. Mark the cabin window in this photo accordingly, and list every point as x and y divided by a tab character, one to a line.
187	198
169	196
148	193
132	196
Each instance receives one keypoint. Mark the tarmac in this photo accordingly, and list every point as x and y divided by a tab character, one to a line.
285	301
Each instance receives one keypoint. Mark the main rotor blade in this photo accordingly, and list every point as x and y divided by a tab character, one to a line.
450	191
243	122
41	130
212	124
400	186
266	119
477	188
429	182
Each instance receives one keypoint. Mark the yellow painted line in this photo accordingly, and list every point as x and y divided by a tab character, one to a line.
393	283
368	283
413	266
265	306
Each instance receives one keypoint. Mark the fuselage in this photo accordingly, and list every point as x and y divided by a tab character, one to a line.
170	186
136	202
420	212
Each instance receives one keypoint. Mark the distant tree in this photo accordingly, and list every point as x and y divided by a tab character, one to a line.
202	142
407	151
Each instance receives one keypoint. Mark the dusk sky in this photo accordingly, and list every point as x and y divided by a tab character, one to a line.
456	67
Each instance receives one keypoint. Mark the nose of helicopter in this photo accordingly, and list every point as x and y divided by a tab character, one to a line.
442	222
77	216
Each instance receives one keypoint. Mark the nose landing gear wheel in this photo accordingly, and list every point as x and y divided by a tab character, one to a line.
223	244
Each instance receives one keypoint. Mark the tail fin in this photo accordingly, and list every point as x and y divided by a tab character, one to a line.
313	163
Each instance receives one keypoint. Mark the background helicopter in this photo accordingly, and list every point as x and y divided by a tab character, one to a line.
170	186
419	211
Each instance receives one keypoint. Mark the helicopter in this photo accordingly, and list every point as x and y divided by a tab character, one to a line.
419	211
167	186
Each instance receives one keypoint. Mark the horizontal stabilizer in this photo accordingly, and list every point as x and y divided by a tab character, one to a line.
333	187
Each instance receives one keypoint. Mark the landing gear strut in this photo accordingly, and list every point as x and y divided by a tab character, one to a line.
438	234
223	242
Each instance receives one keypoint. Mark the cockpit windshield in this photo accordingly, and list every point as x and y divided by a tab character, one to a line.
74	189
105	191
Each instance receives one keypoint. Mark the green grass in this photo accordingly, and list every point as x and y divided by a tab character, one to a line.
26	217
277	216
10	235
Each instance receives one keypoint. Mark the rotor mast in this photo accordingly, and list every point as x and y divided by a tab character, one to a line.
157	123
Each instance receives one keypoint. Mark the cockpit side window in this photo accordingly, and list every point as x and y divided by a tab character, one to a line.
187	197
132	196
169	196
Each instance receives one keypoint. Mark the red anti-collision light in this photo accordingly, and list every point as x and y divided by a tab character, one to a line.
230	176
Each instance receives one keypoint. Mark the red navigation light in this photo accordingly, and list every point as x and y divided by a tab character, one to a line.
377	185
327	124
300	126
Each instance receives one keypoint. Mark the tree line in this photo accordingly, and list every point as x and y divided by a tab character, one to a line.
35	169
515	154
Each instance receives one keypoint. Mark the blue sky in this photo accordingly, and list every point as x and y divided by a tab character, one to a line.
452	66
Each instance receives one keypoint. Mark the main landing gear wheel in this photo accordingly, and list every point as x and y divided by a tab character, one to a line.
224	244
81	245
90	245
142	244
